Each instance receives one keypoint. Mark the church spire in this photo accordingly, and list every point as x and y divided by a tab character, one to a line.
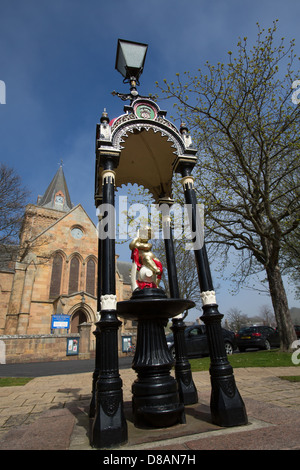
57	194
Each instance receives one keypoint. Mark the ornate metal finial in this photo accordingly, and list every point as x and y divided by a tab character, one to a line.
104	117
127	96
184	131
183	128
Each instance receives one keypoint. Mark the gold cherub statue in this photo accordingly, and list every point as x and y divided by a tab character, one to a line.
146	268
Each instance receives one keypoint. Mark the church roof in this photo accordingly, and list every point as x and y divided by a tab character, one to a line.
124	269
57	194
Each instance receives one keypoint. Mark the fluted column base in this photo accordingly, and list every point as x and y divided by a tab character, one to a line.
187	390
109	427
226	404
155	400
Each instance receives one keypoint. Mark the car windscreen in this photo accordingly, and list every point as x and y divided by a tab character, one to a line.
248	330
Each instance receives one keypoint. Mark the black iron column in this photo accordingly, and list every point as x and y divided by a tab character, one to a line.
96	333
109	427
186	387
227	406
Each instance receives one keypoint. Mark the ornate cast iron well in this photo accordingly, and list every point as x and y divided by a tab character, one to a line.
141	146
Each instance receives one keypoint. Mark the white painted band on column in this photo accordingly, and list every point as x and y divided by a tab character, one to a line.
187	180
106	174
208	297
108	302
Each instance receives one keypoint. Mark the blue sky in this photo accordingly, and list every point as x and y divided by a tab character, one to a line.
57	60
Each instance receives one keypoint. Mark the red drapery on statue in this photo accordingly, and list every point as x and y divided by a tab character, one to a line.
135	256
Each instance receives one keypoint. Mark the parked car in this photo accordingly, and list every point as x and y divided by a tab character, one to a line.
196	341
261	337
297	329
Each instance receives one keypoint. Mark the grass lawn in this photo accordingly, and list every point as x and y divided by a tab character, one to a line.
13	381
271	358
290	378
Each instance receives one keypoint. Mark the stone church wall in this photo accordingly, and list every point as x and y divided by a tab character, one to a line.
54	272
37	348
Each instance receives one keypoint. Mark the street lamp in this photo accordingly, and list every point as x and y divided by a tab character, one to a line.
130	60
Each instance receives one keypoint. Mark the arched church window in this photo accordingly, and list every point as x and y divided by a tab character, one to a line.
56	276
74	275
90	277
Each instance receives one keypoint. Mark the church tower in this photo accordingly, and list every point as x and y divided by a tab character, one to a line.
57	194
49	208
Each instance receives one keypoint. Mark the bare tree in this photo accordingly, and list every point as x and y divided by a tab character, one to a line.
267	315
247	130
13	198
236	319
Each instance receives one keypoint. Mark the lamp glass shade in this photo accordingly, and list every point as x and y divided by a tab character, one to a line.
130	58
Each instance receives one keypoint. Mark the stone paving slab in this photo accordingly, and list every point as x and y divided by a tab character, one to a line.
51	431
52	413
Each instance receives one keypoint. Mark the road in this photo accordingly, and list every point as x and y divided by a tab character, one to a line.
42	369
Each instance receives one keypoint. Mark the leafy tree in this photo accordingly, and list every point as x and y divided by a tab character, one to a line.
246	127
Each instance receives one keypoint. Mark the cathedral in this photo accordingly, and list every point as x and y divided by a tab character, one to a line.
55	271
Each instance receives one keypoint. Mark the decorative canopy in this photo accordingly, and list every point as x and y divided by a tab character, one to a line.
149	147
